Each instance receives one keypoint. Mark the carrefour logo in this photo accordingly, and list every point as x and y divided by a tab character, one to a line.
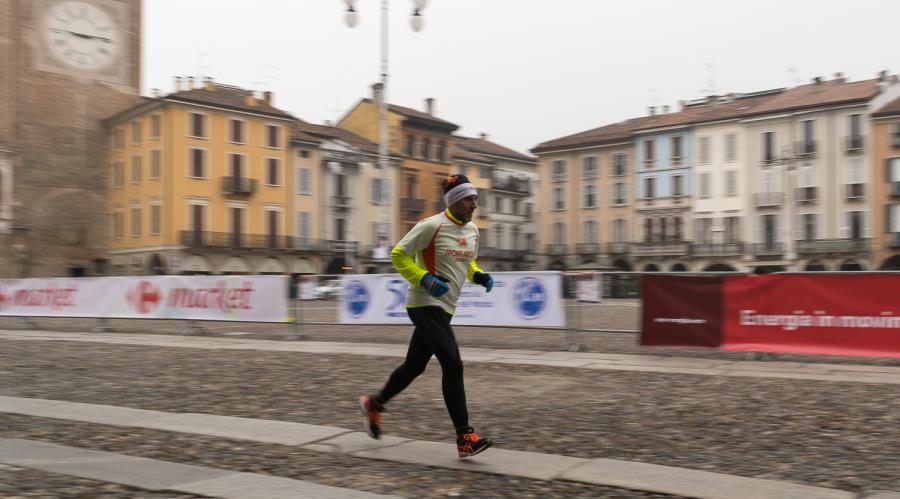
144	297
529	298
356	298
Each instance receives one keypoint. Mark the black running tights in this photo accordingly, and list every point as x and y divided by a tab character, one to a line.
433	335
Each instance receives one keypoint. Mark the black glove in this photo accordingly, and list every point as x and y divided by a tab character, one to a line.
484	279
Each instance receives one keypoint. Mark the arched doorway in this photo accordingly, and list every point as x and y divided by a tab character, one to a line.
155	265
679	267
815	266
622	265
651	267
892	263
235	266
196	265
719	267
335	266
768	269
851	266
557	265
272	266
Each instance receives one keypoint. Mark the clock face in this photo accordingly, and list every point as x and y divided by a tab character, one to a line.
81	35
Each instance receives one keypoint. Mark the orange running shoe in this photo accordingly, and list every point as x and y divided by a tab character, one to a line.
372	414
468	443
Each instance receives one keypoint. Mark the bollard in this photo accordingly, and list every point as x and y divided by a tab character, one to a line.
295	328
191	328
574	337
27	323
102	326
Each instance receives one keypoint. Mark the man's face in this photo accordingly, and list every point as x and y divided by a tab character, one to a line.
465	208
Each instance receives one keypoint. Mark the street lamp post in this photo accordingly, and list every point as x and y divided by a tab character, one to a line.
416	22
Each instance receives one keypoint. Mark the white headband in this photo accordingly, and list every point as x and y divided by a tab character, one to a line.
461	191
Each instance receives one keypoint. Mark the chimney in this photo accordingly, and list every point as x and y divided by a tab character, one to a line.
208	84
156	93
190	83
267	96
483	136
178	84
839	77
817	80
882	75
377	92
651	110
249	99
665	110
329	123
429	105
682	104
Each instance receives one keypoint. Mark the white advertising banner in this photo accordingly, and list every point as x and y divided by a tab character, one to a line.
526	299
249	298
587	287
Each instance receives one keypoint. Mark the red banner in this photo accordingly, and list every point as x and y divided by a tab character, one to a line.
823	314
681	311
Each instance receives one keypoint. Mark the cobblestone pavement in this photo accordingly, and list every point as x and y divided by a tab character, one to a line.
836	435
290	462
17	482
613	314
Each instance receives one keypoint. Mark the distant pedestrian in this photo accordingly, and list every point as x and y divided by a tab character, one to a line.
436	257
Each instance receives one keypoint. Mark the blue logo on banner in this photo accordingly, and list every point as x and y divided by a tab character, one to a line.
356	298
397	289
529	297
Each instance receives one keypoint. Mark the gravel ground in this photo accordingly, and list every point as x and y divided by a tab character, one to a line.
290	462
613	314
838	435
16	482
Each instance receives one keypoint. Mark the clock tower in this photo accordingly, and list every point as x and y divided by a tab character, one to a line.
64	66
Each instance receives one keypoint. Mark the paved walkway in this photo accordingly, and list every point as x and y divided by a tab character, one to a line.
576	360
157	475
162	475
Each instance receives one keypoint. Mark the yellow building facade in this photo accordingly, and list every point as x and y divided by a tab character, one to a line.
199	182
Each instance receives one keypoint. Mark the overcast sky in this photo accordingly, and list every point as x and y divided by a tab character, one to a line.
522	71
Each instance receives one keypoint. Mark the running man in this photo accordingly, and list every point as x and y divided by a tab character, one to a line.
436	257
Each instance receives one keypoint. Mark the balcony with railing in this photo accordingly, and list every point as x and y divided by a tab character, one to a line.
557	249
339	246
488	252
510	255
895	189
822	247
854	143
854	192
806	195
232	240
587	248
341	202
661	248
238	186
770	250
768	199
512	184
718	249
617	248
805	148
412	205
893	239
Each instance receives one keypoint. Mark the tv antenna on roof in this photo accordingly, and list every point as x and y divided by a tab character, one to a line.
266	78
795	75
201	67
710	80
